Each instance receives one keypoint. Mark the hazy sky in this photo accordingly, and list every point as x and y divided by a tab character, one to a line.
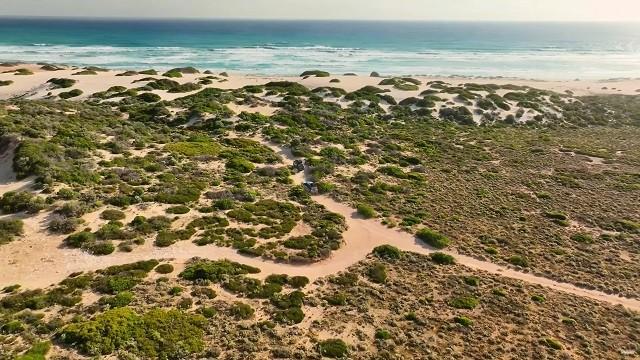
528	10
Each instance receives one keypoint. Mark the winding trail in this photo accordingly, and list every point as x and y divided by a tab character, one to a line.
35	262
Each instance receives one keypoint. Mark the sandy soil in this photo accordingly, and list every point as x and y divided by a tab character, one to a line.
35	86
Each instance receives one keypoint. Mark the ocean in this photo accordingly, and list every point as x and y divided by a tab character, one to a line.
524	50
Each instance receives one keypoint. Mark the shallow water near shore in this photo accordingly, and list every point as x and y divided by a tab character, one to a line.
525	50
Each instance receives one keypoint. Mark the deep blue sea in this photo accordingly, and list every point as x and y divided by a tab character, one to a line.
527	50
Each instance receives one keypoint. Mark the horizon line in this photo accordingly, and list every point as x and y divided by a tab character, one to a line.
153	18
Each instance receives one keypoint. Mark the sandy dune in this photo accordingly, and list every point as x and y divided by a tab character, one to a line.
35	86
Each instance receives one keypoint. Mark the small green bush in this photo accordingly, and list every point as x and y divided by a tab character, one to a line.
463	320
112	215
333	348
378	273
179	209
442	258
62	83
551	343
37	352
101	248
157	334
366	211
10	229
242	311
239	164
298	282
464	302
433	238
538	298
387	252
518	260
164	269
382	334
70	94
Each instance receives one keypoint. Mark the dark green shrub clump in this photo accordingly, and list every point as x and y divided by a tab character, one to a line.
179	209
433	238
70	94
442	258
366	211
463	320
242	311
157	334
387	252
112	215
333	348
215	270
10	229
62	83
464	302
382	334
518	260
164	269
378	273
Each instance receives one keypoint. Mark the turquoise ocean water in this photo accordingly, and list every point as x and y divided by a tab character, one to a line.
528	50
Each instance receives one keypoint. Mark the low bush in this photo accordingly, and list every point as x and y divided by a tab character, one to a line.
333	348
464	302
551	343
179	209
157	334
10	229
112	215
387	252
21	201
215	270
463	320
433	238
382	334
70	94
518	260
366	211
378	273
242	311
37	352
164	269
442	258
62	83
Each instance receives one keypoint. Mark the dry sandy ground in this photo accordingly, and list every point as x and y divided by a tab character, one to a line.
35	86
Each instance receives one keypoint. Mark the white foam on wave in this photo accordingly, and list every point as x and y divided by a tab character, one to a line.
548	62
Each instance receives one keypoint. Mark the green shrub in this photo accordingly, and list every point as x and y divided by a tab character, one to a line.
551	343
378	273
290	316
12	327
196	147
121	299
337	299
298	282
10	229
387	252
112	215
519	261
19	201
366	211
149	97
471	280
464	302
157	334
241	165
242	311
101	248
333	348
433	238
179	209
6	82
463	320
538	298
70	94
215	270
582	238
382	334
164	269
61	83
37	352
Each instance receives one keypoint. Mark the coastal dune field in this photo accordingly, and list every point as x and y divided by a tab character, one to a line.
207	214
